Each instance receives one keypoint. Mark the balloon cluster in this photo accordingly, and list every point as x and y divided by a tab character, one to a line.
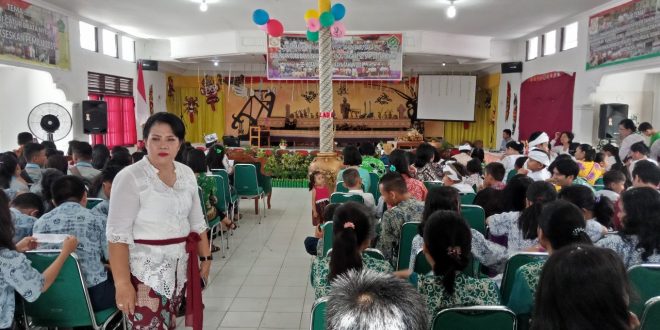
273	27
326	17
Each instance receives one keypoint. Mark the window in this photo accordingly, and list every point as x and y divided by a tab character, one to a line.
117	92
550	43
127	49
88	37
569	36
109	43
532	48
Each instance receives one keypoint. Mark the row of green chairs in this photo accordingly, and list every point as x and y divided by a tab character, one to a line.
465	198
92	202
340	197
213	224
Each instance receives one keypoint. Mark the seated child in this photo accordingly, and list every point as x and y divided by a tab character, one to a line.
353	183
107	176
25	209
537	164
314	244
615	183
454	176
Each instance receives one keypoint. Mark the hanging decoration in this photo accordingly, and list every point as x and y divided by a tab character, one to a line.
273	27
329	17
151	99
515	112
209	89
508	102
170	86
190	106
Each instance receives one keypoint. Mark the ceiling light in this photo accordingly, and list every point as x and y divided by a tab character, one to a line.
216	62
451	11
444	64
203	6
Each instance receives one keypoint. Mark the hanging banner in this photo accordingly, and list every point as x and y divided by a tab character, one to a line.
625	33
356	57
34	35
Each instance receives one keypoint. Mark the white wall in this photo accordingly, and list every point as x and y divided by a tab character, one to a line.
636	89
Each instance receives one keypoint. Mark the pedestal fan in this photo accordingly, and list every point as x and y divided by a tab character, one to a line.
49	122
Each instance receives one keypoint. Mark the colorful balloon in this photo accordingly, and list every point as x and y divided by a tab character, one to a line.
312	13
327	19
260	17
312	36
275	28
313	24
338	30
263	27
338	11
324	5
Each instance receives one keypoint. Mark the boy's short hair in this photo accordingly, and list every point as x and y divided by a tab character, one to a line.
613	176
29	201
496	170
350	177
68	188
647	172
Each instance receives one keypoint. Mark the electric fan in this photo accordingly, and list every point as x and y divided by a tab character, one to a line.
49	122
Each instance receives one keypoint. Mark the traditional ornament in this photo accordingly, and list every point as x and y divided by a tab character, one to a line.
191	105
151	99
170	86
209	89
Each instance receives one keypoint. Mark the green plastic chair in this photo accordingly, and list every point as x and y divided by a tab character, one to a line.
91	202
339	198
516	261
475	318
231	195
318	314
645	281
66	303
467	199
475	217
374	253
408	232
341	189
327	237
432	184
213	223
247	185
510	175
222	206
375	179
651	317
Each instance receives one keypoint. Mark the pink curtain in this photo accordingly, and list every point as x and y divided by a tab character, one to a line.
121	121
546	104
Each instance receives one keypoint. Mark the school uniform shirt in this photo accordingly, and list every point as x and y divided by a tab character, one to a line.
369	200
430	172
74	219
11	193
102	208
321	270
16	275
521	300
507	224
627	249
541	175
468	291
86	170
655	150
34	171
391	224
416	188
474	180
594	229
609	194
23	224
18	186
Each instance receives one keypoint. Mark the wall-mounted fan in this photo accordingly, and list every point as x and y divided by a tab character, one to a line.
49	122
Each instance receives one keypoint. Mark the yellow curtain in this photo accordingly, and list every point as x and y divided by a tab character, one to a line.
483	128
206	121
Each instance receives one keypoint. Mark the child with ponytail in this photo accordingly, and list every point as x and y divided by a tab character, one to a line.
597	211
352	232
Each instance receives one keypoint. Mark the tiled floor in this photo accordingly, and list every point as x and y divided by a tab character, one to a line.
263	283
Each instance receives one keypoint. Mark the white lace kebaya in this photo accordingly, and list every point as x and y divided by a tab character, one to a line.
143	207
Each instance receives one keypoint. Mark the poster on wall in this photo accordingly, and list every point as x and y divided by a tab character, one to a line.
356	57
34	35
625	33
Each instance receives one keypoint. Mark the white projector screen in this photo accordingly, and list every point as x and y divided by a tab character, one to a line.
446	97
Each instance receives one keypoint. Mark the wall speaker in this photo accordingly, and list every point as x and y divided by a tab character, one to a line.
95	117
231	141
512	67
610	116
149	65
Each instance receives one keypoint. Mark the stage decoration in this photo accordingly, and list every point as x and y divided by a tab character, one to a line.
210	89
151	99
508	101
190	106
411	136
271	26
170	86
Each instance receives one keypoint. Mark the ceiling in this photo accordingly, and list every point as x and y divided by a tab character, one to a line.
162	19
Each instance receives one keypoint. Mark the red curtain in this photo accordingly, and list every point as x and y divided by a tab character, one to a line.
121	121
546	104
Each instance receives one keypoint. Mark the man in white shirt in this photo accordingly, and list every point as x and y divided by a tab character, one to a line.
628	136
537	163
82	157
353	183
639	151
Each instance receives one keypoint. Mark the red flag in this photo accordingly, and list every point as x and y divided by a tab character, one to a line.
141	107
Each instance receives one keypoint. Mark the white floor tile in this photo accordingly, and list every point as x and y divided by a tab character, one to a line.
281	320
249	305
288	305
242	319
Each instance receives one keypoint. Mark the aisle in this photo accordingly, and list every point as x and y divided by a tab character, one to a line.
264	281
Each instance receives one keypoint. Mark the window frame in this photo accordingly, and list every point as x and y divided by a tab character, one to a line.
562	43
528	47
132	42
544	43
96	36
116	37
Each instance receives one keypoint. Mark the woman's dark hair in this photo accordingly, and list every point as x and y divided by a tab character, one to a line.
562	224
137	156
399	159
584	198
519	147
215	156
490	199
49	176
178	128
312	180
8	163
440	198
642	219
108	174
539	193
479	154
195	159
612	150
628	124
449	241
520	162
589	152
424	155
515	193
569	297
352	156
100	155
569	135
329	212
7	229
367	149
58	162
474	166
351	227
52	152
600	157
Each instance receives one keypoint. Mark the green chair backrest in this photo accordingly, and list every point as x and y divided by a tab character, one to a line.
339	198
318	314
200	192
375	253
222	204
600	181
432	184
327	237
245	180
91	202
645	281
475	318
475	217
341	189
66	303
651	317
373	189
511	174
225	177
408	232
516	261
467	198
422	266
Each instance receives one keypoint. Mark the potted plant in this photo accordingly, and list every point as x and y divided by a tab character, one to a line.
283	144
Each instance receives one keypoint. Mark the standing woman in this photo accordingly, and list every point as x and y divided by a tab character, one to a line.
157	232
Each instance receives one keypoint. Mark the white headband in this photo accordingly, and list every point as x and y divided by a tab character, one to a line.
539	156
211	138
449	171
543	138
465	147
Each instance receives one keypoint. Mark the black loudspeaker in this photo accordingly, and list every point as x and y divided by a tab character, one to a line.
512	67
149	65
610	116
231	141
95	117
